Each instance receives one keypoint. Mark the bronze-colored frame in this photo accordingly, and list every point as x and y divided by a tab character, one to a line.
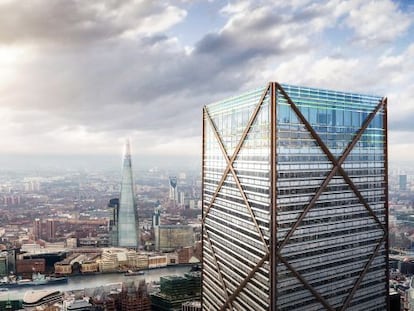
275	247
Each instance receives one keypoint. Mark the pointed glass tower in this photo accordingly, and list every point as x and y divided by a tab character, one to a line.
127	219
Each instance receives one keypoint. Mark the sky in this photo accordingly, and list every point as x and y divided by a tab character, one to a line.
79	77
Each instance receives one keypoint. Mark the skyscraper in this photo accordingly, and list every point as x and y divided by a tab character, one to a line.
37	229
127	215
50	229
173	189
295	192
402	182
113	206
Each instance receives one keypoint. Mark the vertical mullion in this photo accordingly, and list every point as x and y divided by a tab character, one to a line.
203	158
385	127
273	201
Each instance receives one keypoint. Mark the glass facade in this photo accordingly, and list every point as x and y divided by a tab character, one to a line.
294	201
127	216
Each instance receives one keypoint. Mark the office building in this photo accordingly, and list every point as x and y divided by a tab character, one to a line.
127	215
37	229
133	298
113	206
295	211
173	190
176	290
3	264
402	182
50	230
181	198
156	222
171	237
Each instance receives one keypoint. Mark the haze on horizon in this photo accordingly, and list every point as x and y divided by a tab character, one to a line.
77	78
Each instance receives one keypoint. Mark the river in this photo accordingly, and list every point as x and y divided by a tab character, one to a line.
81	282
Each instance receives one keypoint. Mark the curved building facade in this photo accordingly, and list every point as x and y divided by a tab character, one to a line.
127	215
295	206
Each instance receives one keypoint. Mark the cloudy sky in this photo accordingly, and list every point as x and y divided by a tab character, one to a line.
77	77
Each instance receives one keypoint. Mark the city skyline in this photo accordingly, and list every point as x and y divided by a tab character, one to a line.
68	70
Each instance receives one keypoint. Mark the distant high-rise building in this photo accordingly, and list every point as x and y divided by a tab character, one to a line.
50	229
403	182
3	264
156	222
32	186
171	237
295	201
113	205
37	229
173	189
156	218
181	197
127	216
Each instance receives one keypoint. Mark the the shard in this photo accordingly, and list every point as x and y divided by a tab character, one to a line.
127	218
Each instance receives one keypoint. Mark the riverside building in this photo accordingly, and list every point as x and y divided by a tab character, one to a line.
295	204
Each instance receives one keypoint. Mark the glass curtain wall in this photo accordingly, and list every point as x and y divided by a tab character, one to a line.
334	241
329	221
127	218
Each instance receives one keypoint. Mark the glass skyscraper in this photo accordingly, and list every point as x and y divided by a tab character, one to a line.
127	215
295	203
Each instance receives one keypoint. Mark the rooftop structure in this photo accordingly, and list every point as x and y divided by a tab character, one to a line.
135	298
33	299
176	290
173	189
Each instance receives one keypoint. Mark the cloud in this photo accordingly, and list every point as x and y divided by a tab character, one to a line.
71	22
77	77
377	22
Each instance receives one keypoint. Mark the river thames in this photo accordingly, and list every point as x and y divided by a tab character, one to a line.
81	282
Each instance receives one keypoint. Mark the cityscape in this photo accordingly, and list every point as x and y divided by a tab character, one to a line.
205	155
62	227
68	229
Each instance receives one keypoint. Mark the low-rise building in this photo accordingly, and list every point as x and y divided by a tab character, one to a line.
157	261
184	254
63	268
133	298
28	266
172	258
89	267
176	290
33	300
